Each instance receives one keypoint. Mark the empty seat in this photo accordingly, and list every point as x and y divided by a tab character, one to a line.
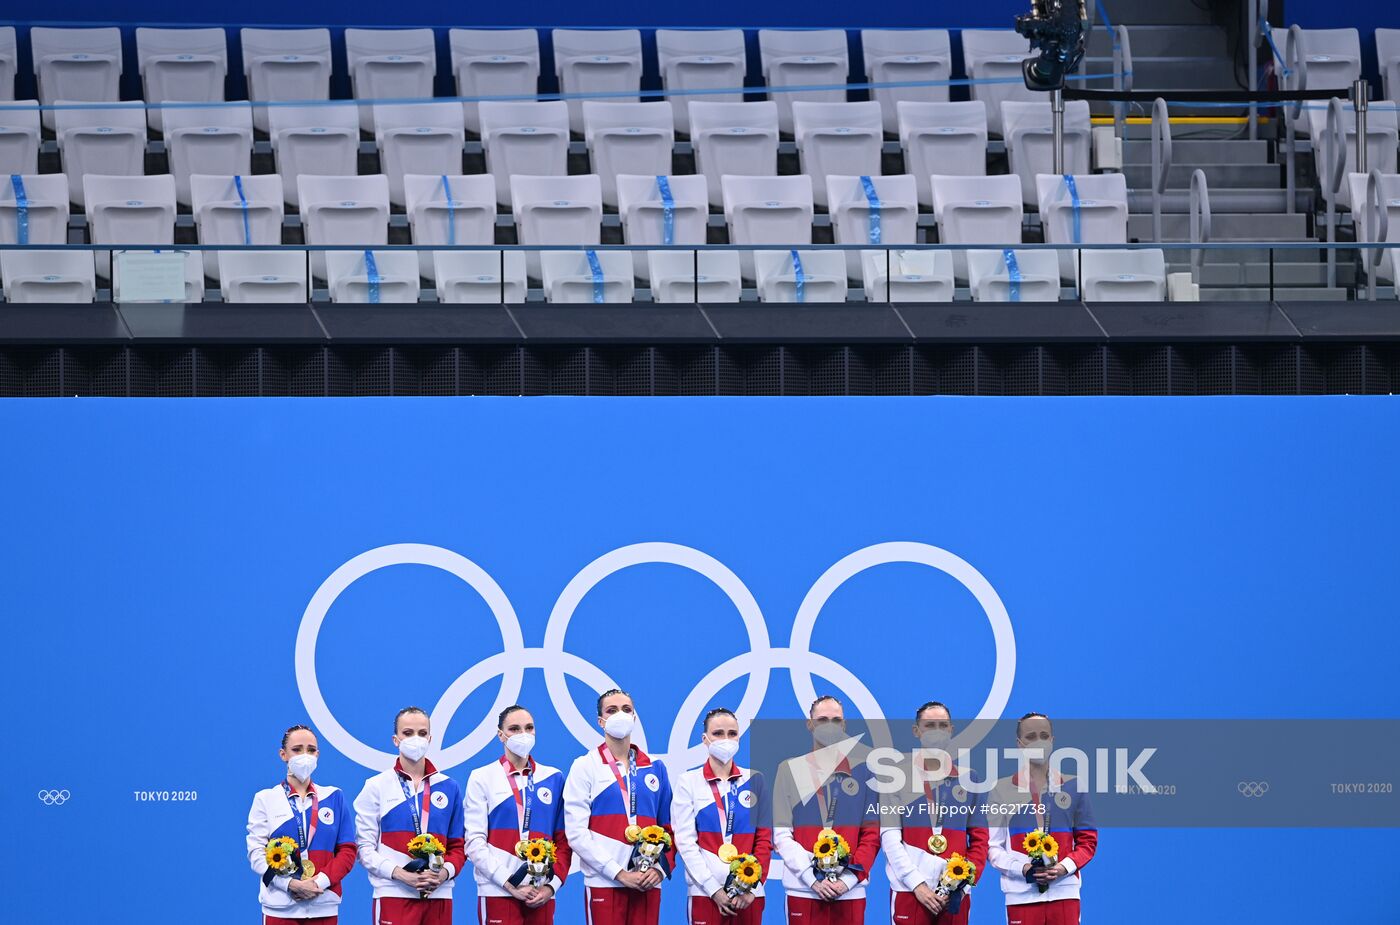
390	64
129	210
285	64
1030	141
493	62
948	139
79	65
236	209
9	58
633	138
1381	141
180	65
47	276
700	59
734	139
996	54
529	138
894	275
767	210
1083	208
313	141
670	214
451	210
872	210
217	140
1014	275
262	276
800	276
19	138
423	138
837	138
805	58
479	276
557	210
372	276
587	276
1330	57
694	276
977	210
906	56
1366	229
1388	59
596	61
34	209
1124	275
108	141
344	210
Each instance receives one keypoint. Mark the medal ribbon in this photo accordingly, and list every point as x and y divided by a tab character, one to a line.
628	786
304	833
827	798
931	794
522	798
420	820
726	807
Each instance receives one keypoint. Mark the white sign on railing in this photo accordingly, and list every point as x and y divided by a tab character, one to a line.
149	276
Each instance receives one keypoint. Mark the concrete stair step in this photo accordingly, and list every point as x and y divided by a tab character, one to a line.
1166	74
1190	151
1290	275
1223	201
1237	227
1162	42
1218	176
1153	13
1308	294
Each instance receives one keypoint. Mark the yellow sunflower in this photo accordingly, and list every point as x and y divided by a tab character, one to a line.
1031	844
275	858
957	869
748	872
824	847
655	835
1050	846
535	852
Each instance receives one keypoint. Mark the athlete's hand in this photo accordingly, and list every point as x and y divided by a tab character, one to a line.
723	902
651	878
543	894
632	879
928	898
522	893
419	881
828	890
743	901
1051	874
304	889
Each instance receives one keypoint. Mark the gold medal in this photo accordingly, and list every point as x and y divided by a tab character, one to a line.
632	833
308	870
937	844
827	832
727	852
520	848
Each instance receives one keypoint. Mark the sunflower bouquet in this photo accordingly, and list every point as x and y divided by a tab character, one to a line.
538	855
831	855
426	851
957	877
744	874
649	846
1043	851
283	856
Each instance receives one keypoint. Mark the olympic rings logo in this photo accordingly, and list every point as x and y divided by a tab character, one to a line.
558	664
54	797
1252	788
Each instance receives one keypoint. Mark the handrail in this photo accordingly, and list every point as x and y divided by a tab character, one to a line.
1295	63
1122	76
1161	161
1378	215
1200	219
1334	142
1295	58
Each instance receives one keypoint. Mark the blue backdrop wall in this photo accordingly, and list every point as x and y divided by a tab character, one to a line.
1157	558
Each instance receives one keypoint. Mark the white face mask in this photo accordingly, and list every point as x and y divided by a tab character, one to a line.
724	750
828	733
1039	752
413	747
520	744
302	766
620	724
937	738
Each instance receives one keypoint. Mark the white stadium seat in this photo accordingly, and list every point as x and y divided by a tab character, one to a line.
700	59
1381	140
109	141
906	56
837	138
390	64
493	62
587	276
284	65
633	138
1390	201
424	138
949	139
642	209
1102	208
989	275
596	61
19	139
262	276
236	210
1332	57
372	276
768	210
9	58
130	210
313	141
803	58
44	217
977	210
47	276
996	54
885	212
734	139
475	276
800	276
1388	59
907	275
217	140
181	65
1030	150
344	210
82	65
1124	276
673	276
556	210
529	138
451	210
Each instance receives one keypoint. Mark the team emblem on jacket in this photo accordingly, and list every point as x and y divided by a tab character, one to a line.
746	799
1062	800
545	794
959	793
440	800
326	815
653	783
850	786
